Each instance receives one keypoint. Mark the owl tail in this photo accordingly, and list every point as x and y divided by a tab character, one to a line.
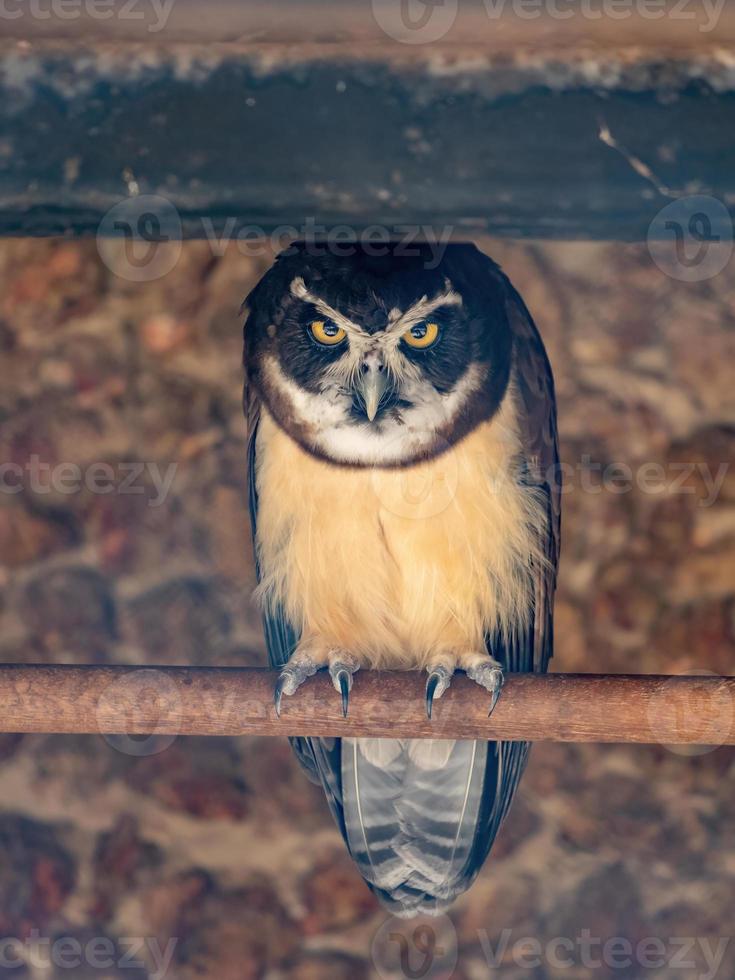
411	811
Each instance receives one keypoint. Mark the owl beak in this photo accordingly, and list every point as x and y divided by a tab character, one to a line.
371	387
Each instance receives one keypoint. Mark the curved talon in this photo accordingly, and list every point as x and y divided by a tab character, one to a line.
278	693
496	695
293	675
488	674
343	679
431	684
341	670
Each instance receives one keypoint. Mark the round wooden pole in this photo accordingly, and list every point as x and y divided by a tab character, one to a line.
239	701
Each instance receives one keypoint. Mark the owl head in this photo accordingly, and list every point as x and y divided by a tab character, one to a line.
383	359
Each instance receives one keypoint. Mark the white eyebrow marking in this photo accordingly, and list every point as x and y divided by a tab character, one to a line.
299	290
401	322
398	322
344	370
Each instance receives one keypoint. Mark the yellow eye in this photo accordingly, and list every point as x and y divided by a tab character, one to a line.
422	335
326	332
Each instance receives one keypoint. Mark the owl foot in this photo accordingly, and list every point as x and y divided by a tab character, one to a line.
490	676
297	670
482	669
302	665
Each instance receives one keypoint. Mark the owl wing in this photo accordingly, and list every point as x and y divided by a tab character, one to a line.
419	824
529	650
540	445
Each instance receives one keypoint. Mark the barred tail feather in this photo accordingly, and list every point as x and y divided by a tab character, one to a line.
411	812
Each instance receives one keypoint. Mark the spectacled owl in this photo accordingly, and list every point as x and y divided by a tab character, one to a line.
405	507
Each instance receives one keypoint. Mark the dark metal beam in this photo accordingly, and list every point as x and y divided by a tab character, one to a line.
548	140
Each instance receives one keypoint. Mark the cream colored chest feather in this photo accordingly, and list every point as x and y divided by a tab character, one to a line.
395	564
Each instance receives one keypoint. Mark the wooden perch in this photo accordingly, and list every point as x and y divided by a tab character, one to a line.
239	701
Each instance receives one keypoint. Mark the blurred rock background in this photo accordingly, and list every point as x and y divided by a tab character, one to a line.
221	844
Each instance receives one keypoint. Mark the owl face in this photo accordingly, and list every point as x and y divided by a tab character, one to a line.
382	360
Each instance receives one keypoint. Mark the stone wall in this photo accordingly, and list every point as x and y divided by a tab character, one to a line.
221	843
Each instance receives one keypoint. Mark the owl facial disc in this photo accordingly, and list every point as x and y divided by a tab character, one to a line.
378	362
